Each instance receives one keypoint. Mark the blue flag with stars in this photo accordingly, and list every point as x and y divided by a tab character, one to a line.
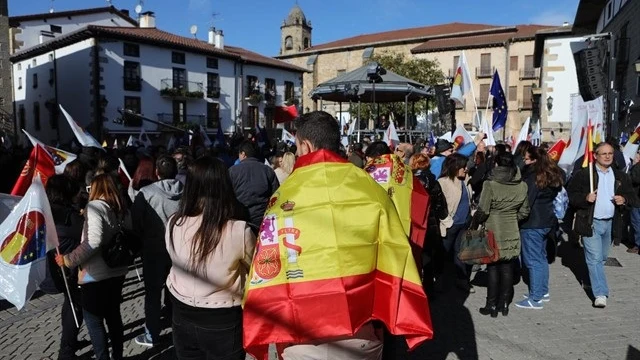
500	110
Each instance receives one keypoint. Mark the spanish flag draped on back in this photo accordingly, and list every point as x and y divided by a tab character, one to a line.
331	256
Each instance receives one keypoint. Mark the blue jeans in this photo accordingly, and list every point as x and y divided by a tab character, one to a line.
596	251
534	257
635	223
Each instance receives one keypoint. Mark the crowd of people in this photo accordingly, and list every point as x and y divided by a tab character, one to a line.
198	214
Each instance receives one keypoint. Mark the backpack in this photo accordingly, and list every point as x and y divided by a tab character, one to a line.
561	203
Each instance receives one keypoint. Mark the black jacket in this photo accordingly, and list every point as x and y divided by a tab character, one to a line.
634	173
254	183
541	215
578	190
69	224
437	201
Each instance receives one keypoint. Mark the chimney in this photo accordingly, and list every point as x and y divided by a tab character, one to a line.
212	36
219	40
147	20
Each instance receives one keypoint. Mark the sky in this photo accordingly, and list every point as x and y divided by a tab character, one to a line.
255	24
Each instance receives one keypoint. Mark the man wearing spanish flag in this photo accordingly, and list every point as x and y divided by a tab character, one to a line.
332	257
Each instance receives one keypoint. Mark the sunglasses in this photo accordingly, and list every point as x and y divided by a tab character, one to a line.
88	188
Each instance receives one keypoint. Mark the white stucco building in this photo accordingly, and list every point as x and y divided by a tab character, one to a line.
97	70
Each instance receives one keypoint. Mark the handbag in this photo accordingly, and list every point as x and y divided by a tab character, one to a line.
478	247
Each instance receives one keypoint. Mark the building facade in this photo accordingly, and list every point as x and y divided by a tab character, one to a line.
97	71
508	49
6	107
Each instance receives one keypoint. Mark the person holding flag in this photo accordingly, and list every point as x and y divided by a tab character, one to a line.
600	195
332	257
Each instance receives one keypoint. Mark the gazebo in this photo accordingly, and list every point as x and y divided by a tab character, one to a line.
371	84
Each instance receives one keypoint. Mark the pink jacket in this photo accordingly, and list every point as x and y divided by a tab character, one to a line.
221	283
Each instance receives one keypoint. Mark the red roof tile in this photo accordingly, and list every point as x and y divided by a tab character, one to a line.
403	34
520	32
255	58
14	21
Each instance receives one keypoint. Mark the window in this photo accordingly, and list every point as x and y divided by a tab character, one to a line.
252	84
485	62
34	62
526	97
179	78
528	62
213	115
179	111
306	43
288	43
340	72
50	57
36	115
55	29
21	117
132	50
484	94
609	10
52	77
19	83
270	90
269	117
288	91
35	81
513	93
212	63
132	80
213	85
177	58
19	66
134	104
513	63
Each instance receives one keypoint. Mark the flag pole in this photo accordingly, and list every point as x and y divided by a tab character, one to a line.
66	286
591	176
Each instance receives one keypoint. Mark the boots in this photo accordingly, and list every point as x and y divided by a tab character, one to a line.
492	292
506	287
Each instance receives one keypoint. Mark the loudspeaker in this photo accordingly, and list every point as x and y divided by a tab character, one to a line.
592	80
443	93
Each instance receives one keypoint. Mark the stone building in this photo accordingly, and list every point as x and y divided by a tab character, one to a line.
507	49
6	108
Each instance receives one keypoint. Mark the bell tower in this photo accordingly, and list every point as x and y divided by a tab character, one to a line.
295	32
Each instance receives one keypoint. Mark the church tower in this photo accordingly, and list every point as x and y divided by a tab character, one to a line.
295	32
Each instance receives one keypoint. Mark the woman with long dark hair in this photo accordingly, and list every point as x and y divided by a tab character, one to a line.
211	254
503	203
101	285
544	180
457	191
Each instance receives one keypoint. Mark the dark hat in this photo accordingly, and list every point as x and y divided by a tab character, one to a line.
443	145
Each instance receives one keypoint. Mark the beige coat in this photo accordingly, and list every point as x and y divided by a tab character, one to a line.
452	192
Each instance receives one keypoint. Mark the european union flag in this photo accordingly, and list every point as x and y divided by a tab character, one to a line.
500	109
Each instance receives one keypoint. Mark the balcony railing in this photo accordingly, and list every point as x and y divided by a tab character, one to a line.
528	74
132	83
181	89
270	96
482	102
525	104
213	92
174	119
484	72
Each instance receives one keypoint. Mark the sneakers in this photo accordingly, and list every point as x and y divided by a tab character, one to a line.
545	298
600	302
633	250
144	340
529	304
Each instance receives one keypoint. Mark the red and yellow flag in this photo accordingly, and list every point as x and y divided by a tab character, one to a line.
588	148
40	163
555	152
407	194
331	256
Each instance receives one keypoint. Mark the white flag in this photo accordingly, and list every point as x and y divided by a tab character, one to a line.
391	136
460	137
485	128
143	139
83	136
352	127
575	146
461	81
60	157
205	138
27	233
171	144
536	136
524	133
131	142
287	137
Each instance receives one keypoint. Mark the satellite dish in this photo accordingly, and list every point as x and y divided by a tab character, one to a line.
138	9
193	30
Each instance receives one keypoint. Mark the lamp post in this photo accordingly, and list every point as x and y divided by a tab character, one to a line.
406	106
549	103
374	74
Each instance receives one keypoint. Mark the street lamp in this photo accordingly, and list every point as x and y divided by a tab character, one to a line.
549	103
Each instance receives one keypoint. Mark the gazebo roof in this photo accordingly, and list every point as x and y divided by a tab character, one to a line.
355	86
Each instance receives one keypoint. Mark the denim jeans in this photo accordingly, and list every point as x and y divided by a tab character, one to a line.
203	334
101	303
156	269
534	257
635	224
69	337
451	244
596	251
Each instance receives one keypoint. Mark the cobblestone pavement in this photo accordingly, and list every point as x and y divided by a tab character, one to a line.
567	328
